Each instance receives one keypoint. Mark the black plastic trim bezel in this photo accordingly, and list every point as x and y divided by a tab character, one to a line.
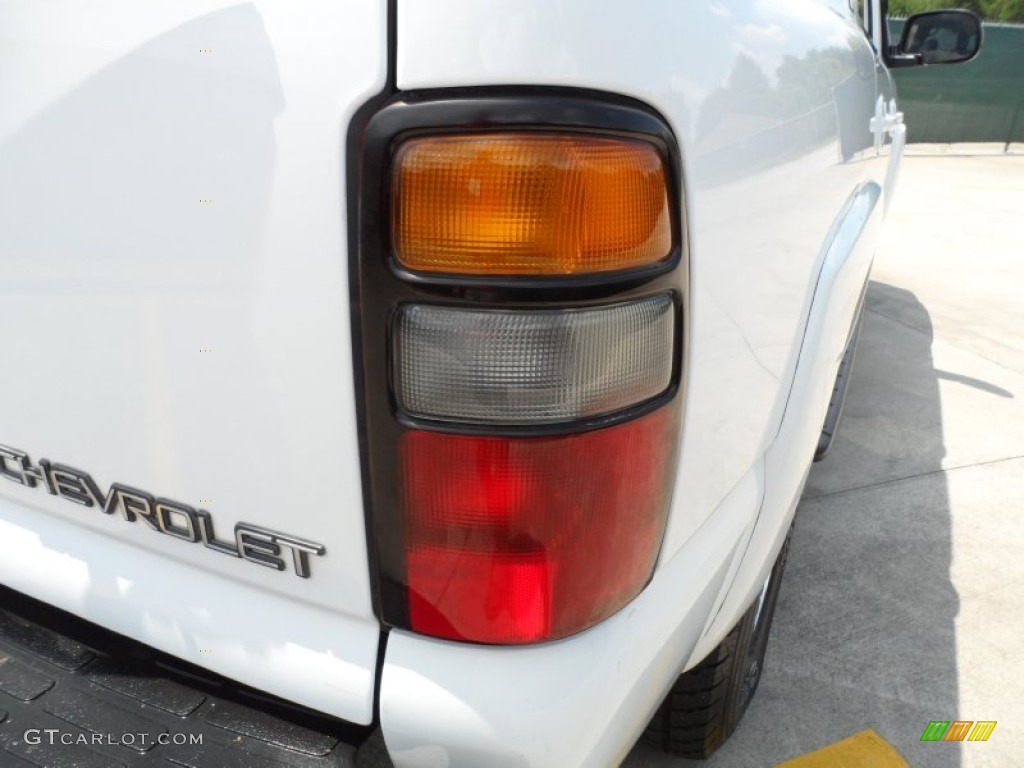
379	286
352	216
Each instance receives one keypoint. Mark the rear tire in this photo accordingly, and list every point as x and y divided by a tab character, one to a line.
707	702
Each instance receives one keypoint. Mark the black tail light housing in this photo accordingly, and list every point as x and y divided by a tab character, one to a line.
519	425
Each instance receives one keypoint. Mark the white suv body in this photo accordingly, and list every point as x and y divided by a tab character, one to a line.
175	233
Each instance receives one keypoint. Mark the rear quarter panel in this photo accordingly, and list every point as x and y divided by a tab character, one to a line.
770	102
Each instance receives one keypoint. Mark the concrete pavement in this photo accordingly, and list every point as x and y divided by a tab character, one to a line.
903	600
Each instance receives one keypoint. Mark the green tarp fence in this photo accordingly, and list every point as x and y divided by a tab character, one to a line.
981	101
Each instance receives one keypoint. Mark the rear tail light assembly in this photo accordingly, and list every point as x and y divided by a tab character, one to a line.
520	291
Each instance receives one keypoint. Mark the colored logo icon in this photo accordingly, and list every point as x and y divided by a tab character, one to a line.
958	730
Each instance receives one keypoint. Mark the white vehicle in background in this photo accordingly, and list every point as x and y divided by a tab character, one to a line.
449	370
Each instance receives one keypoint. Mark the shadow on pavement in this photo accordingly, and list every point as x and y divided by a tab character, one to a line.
864	634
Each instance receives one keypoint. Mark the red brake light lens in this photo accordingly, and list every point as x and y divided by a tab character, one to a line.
526	539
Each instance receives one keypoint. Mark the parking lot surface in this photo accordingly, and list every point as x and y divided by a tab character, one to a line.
903	600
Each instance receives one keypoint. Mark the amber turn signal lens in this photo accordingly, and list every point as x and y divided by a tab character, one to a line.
529	204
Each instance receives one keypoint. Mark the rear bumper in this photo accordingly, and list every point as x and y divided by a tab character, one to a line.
86	697
581	701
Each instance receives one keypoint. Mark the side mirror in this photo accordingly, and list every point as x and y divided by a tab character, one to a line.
938	37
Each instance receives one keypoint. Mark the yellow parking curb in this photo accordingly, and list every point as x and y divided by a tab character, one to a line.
862	750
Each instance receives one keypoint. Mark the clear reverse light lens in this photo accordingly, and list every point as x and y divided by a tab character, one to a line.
533	366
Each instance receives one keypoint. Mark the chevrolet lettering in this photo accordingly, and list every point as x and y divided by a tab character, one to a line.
257	545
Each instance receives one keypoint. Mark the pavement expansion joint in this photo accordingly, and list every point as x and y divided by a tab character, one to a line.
894	480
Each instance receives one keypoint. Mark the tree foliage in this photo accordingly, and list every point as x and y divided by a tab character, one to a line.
990	10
